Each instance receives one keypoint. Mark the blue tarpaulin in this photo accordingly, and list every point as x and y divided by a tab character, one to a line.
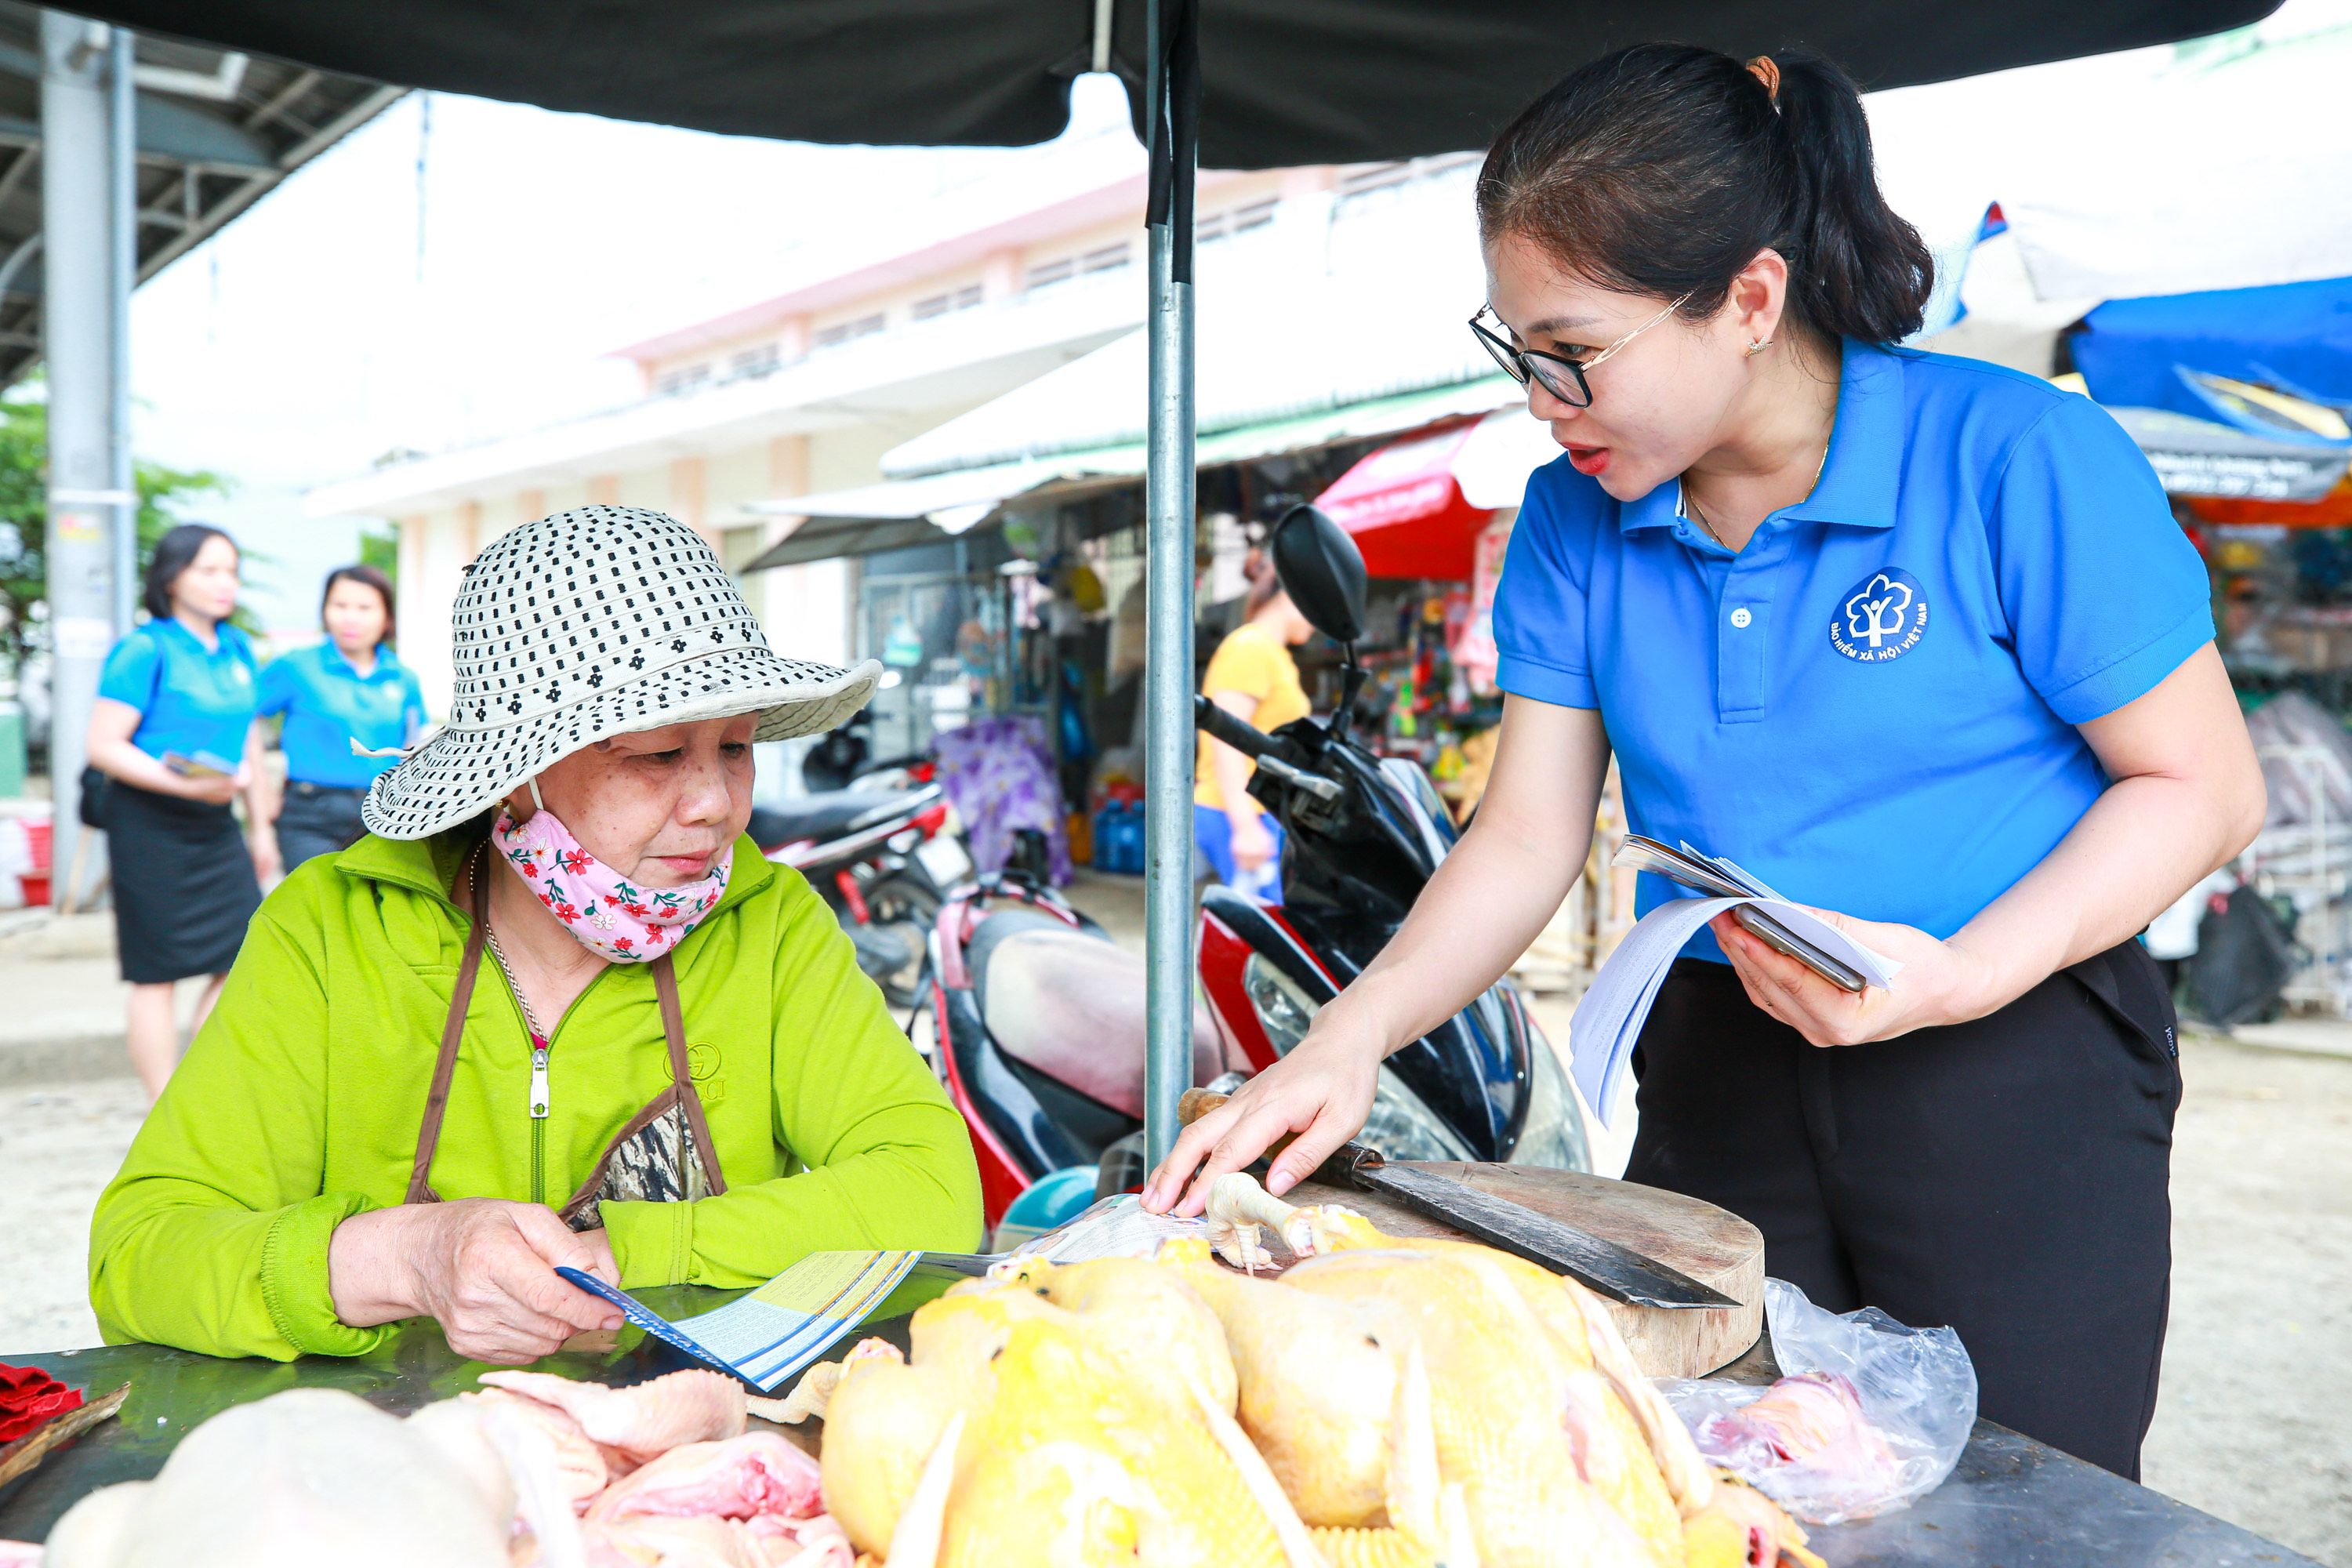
2294	337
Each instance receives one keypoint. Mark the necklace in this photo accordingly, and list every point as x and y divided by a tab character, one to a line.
1690	502
481	864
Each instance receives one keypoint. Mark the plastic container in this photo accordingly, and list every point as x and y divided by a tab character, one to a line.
1059	1197
40	838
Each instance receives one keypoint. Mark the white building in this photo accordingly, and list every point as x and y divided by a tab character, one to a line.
804	393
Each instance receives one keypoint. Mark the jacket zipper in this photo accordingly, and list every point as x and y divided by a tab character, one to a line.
539	1098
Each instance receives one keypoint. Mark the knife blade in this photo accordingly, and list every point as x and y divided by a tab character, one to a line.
1614	1269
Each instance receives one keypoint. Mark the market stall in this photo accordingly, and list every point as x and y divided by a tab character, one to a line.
2010	1501
1274	92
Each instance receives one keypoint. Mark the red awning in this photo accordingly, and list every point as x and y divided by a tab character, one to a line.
1415	506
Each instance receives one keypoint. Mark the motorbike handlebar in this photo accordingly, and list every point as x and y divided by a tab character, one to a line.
1258	746
1243	737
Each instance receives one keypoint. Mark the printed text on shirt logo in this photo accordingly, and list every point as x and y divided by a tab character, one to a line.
1881	617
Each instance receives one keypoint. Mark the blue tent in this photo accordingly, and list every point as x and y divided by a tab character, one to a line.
2293	337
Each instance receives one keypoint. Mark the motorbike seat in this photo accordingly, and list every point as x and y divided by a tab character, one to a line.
1071	1006
824	815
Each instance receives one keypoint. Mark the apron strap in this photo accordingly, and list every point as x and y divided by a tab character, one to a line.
673	1031
445	1067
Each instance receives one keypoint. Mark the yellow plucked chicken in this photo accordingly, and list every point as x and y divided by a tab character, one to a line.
1387	1403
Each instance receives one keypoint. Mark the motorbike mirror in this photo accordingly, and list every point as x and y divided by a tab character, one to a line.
1322	571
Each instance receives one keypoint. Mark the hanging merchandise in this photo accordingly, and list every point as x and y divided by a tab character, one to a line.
902	648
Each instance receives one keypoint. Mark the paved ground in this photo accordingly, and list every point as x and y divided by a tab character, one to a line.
2255	1419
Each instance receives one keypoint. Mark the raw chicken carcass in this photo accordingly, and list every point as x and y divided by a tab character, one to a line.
736	1478
644	1419
307	1477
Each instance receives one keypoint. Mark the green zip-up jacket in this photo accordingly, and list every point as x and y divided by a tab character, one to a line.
299	1105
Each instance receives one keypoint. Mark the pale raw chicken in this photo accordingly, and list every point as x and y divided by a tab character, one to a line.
580	1466
644	1419
737	1478
307	1477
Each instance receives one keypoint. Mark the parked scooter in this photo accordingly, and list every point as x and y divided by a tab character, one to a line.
883	858
1040	1018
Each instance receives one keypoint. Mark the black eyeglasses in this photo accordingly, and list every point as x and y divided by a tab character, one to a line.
1561	376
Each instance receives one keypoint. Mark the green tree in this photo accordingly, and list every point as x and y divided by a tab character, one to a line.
24	516
380	548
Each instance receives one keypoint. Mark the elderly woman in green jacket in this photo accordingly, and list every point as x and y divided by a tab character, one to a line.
556	1009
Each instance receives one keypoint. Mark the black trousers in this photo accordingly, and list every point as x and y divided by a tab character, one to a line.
2008	1176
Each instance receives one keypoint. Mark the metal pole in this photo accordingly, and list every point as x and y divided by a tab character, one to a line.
122	136
1172	80
77	327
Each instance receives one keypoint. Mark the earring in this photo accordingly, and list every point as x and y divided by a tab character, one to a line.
1757	346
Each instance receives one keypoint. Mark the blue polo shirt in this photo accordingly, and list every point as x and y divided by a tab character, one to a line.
193	699
1872	706
327	704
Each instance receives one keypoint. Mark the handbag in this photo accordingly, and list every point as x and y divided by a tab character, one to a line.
95	788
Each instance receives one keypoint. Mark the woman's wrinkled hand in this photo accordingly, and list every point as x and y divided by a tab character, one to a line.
481	1267
1940	983
1322	1091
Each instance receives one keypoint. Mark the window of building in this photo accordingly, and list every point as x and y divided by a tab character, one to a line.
758	360
1047	274
684	379
963	299
1374	182
844	332
1256	215
1109	258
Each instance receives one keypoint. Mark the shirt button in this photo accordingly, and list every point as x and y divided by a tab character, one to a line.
1740	618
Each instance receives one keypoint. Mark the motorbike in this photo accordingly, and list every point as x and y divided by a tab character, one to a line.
1039	1018
883	858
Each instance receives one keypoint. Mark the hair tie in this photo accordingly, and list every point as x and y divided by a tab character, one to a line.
1762	68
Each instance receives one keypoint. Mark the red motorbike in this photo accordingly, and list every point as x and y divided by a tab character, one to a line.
1040	1017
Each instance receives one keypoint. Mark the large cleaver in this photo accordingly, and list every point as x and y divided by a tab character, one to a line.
1616	1271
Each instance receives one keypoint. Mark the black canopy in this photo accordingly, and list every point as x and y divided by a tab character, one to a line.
1283	81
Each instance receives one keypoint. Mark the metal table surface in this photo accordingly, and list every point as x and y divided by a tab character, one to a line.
2011	1503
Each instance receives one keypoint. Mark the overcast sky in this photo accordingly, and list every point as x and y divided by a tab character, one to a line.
310	336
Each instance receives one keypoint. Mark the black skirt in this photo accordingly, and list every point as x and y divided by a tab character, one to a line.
184	884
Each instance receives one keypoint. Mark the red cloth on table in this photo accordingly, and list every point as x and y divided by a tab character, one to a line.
30	1398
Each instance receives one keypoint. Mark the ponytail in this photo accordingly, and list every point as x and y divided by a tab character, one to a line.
1860	271
1663	169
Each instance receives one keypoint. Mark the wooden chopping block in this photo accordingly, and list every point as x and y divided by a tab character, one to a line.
1712	1246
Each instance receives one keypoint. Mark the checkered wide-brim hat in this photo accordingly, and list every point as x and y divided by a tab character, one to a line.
587	624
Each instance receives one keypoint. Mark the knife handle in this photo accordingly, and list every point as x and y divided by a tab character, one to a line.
1339	1170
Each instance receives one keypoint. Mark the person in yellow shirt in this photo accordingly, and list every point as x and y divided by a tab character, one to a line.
1254	678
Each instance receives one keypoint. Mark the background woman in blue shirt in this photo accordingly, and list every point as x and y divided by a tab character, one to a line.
1911	637
174	730
348	688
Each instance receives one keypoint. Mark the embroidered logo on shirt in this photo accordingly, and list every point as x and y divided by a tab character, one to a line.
1881	617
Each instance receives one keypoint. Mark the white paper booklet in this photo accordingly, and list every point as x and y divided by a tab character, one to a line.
1609	1019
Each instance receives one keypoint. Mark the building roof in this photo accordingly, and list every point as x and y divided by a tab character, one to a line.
217	132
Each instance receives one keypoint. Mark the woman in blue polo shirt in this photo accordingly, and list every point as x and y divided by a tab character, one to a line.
173	731
1911	637
347	687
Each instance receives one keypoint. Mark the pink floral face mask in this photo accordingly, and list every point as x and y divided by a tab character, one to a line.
608	914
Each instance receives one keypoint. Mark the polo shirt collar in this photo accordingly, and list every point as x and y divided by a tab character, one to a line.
384	661
1859	483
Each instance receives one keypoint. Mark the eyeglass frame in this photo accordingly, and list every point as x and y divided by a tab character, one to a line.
1521	364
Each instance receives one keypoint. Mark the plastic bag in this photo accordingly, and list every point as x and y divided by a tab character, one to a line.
1868	1415
1116	1226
